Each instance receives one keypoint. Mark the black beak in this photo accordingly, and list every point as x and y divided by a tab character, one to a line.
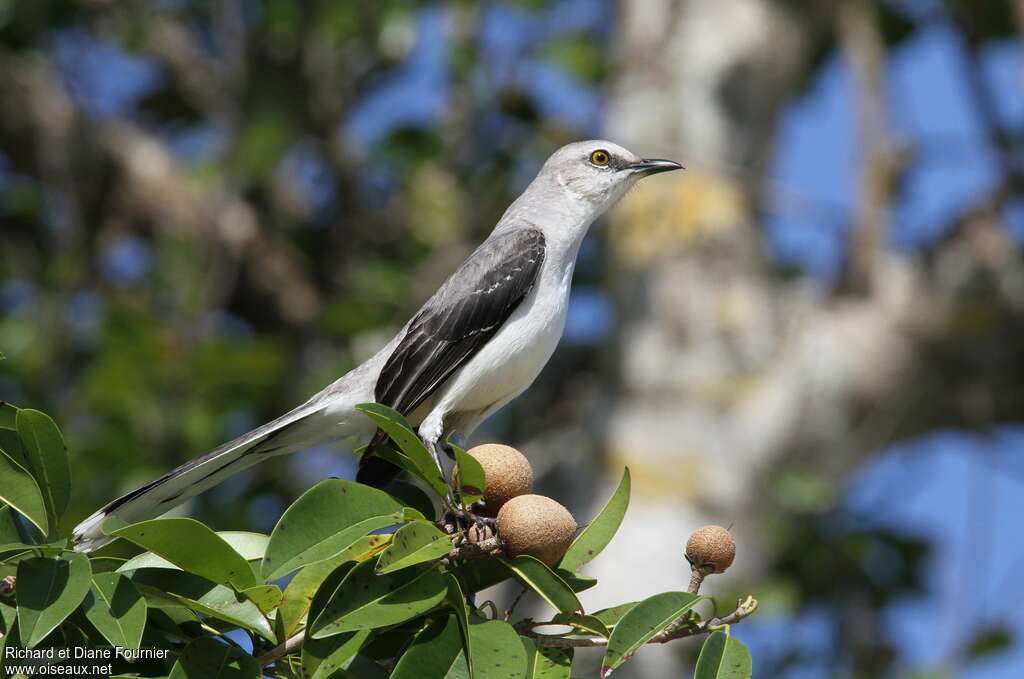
649	166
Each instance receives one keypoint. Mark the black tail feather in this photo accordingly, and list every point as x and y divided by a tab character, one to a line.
376	471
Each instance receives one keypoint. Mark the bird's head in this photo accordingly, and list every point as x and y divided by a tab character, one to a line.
599	172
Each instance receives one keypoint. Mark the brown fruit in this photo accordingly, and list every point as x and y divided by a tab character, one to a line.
536	525
507	471
710	549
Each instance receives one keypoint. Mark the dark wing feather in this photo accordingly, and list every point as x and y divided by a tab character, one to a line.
461	317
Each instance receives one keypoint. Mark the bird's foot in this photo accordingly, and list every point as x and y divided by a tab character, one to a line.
466	517
473	513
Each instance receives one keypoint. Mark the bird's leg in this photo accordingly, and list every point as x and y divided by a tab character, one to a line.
436	448
463	516
449	504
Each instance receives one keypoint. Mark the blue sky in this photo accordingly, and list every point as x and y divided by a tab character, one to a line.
816	162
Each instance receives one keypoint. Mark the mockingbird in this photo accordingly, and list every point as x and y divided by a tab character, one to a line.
476	344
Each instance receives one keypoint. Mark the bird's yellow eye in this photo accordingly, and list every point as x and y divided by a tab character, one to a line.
600	157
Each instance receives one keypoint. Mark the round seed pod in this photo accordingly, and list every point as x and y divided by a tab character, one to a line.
536	525
507	471
710	549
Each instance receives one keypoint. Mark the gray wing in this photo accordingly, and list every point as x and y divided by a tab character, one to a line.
461	317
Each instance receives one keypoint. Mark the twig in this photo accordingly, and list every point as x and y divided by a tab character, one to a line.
476	550
280	651
680	629
744	607
515	602
697	576
489	604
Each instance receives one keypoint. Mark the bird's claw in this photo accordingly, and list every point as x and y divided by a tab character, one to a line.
465	517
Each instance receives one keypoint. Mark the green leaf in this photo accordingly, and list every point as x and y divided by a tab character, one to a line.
11	554
436	652
546	662
298	595
477	574
364	667
412	496
388	644
542	580
471	479
395	426
8	528
399	459
8	614
496	651
610	616
266	597
315	651
601	530
586	624
70	634
251	546
203	596
105	564
17	551
578	583
12	445
48	591
365	600
166	615
207	658
193	547
309	530
455	598
346	648
146	560
414	543
116	609
48	460
642	622
19	490
722	657
8	416
10	636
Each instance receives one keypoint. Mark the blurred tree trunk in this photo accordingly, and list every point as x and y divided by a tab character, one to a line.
727	368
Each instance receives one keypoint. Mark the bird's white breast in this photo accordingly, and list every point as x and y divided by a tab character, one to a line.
509	363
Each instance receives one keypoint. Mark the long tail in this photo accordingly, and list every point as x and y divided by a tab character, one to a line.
286	434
